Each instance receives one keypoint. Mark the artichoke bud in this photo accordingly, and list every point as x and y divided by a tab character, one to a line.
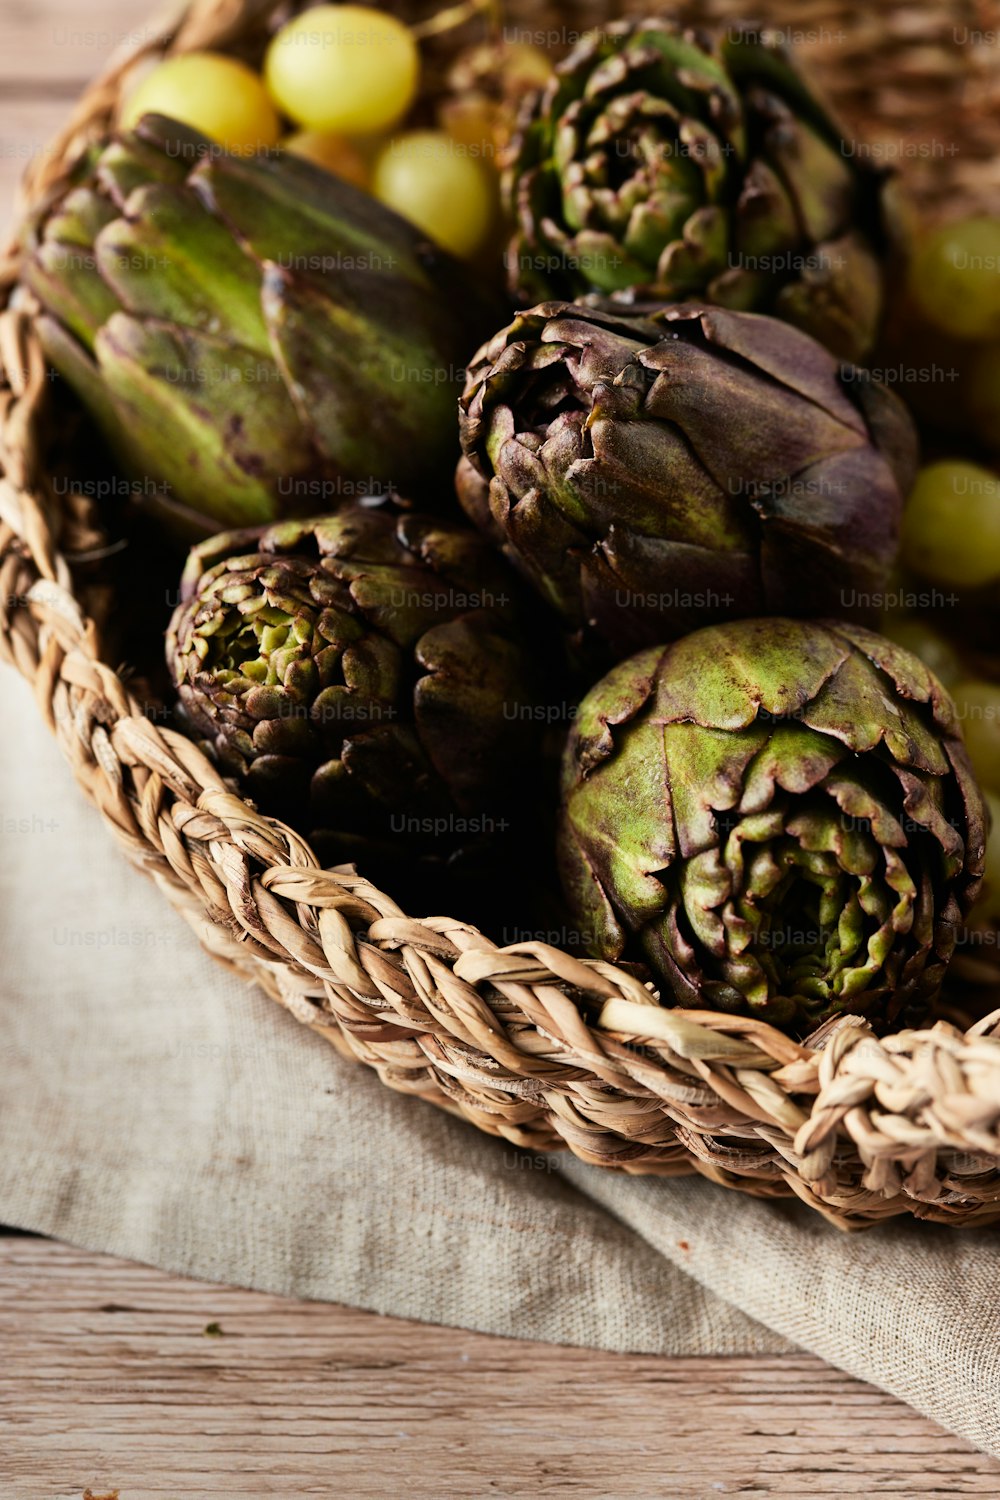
367	666
781	817
661	163
652	473
250	332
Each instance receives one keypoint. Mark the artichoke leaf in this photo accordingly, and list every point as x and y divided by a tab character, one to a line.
223	442
168	259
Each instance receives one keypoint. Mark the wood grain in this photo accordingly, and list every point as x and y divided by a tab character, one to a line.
48	50
27	126
108	1380
56	46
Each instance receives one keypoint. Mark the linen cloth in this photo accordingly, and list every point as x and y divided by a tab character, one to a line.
156	1107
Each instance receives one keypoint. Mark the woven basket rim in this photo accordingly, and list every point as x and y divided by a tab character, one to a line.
526	1041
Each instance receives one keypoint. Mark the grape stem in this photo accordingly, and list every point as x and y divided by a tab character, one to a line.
457	15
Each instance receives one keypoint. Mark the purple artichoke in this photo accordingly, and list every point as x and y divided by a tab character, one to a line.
780	816
362	672
664	163
651	475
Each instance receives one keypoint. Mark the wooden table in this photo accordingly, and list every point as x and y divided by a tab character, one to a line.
111	1378
117	1378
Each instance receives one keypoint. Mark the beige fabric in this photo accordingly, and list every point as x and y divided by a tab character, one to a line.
153	1106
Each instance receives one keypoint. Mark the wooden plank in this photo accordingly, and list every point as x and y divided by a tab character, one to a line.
109	1380
60	44
27	126
49	49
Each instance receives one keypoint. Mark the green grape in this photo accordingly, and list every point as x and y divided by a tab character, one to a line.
978	705
955	278
951	525
433	181
343	68
219	96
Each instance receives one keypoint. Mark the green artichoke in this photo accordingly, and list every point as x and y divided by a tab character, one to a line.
359	673
651	475
781	816
663	163
250	332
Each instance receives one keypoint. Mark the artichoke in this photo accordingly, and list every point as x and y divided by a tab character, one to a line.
661	162
360	673
650	475
250	332
781	816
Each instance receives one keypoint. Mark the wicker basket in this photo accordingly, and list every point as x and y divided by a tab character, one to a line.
526	1042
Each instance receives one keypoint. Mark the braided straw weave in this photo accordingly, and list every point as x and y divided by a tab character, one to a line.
525	1042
